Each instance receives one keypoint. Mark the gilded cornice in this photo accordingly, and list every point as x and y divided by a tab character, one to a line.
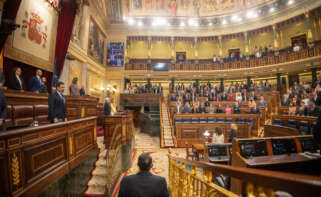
78	53
299	8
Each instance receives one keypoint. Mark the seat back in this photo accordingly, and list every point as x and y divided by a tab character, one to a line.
219	119
292	124
210	120
239	120
178	120
195	120
41	113
304	128
229	120
278	122
186	120
22	115
203	120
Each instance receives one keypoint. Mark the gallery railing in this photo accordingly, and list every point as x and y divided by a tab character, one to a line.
193	178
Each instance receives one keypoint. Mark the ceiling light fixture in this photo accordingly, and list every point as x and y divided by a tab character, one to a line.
224	22
272	9
210	24
182	24
131	21
140	23
251	14
236	18
290	2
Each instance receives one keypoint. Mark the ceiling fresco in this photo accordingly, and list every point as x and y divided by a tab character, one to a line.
187	8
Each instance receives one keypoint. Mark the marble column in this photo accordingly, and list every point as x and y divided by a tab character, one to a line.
149	46
276	44
172	44
220	45
246	40
84	26
308	24
196	47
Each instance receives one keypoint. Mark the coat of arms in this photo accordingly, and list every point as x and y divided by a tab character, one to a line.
33	28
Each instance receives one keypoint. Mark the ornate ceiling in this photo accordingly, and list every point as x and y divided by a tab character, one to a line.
188	8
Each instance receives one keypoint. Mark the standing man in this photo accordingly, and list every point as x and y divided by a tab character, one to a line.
35	83
107	107
57	105
144	183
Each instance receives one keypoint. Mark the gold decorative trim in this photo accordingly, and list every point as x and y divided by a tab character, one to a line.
15	170
70	145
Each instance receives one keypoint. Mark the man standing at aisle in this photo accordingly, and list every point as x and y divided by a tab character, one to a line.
144	183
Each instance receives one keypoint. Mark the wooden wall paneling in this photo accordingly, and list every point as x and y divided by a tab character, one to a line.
34	157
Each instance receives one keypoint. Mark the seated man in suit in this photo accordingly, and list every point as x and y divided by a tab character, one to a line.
144	183
313	110
187	108
107	107
35	83
3	109
15	81
219	109
202	109
44	88
285	100
236	109
57	105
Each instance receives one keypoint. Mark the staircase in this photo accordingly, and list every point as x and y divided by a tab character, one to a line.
96	185
167	139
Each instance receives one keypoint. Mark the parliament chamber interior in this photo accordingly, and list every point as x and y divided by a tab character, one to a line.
224	96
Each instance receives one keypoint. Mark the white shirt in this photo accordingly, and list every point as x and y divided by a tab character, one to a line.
19	81
218	139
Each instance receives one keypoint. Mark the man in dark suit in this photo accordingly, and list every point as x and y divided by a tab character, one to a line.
285	100
107	107
35	83
15	81
144	183
57	105
3	109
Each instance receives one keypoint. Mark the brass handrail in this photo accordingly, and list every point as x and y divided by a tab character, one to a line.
256	181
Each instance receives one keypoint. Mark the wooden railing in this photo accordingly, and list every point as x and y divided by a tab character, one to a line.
193	178
283	57
33	157
125	119
139	99
114	159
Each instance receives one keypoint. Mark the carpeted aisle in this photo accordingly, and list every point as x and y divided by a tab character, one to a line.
146	143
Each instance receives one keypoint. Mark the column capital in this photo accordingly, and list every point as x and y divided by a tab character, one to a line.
245	33
220	37
306	14
274	27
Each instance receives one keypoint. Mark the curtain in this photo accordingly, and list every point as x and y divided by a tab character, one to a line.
10	10
64	31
